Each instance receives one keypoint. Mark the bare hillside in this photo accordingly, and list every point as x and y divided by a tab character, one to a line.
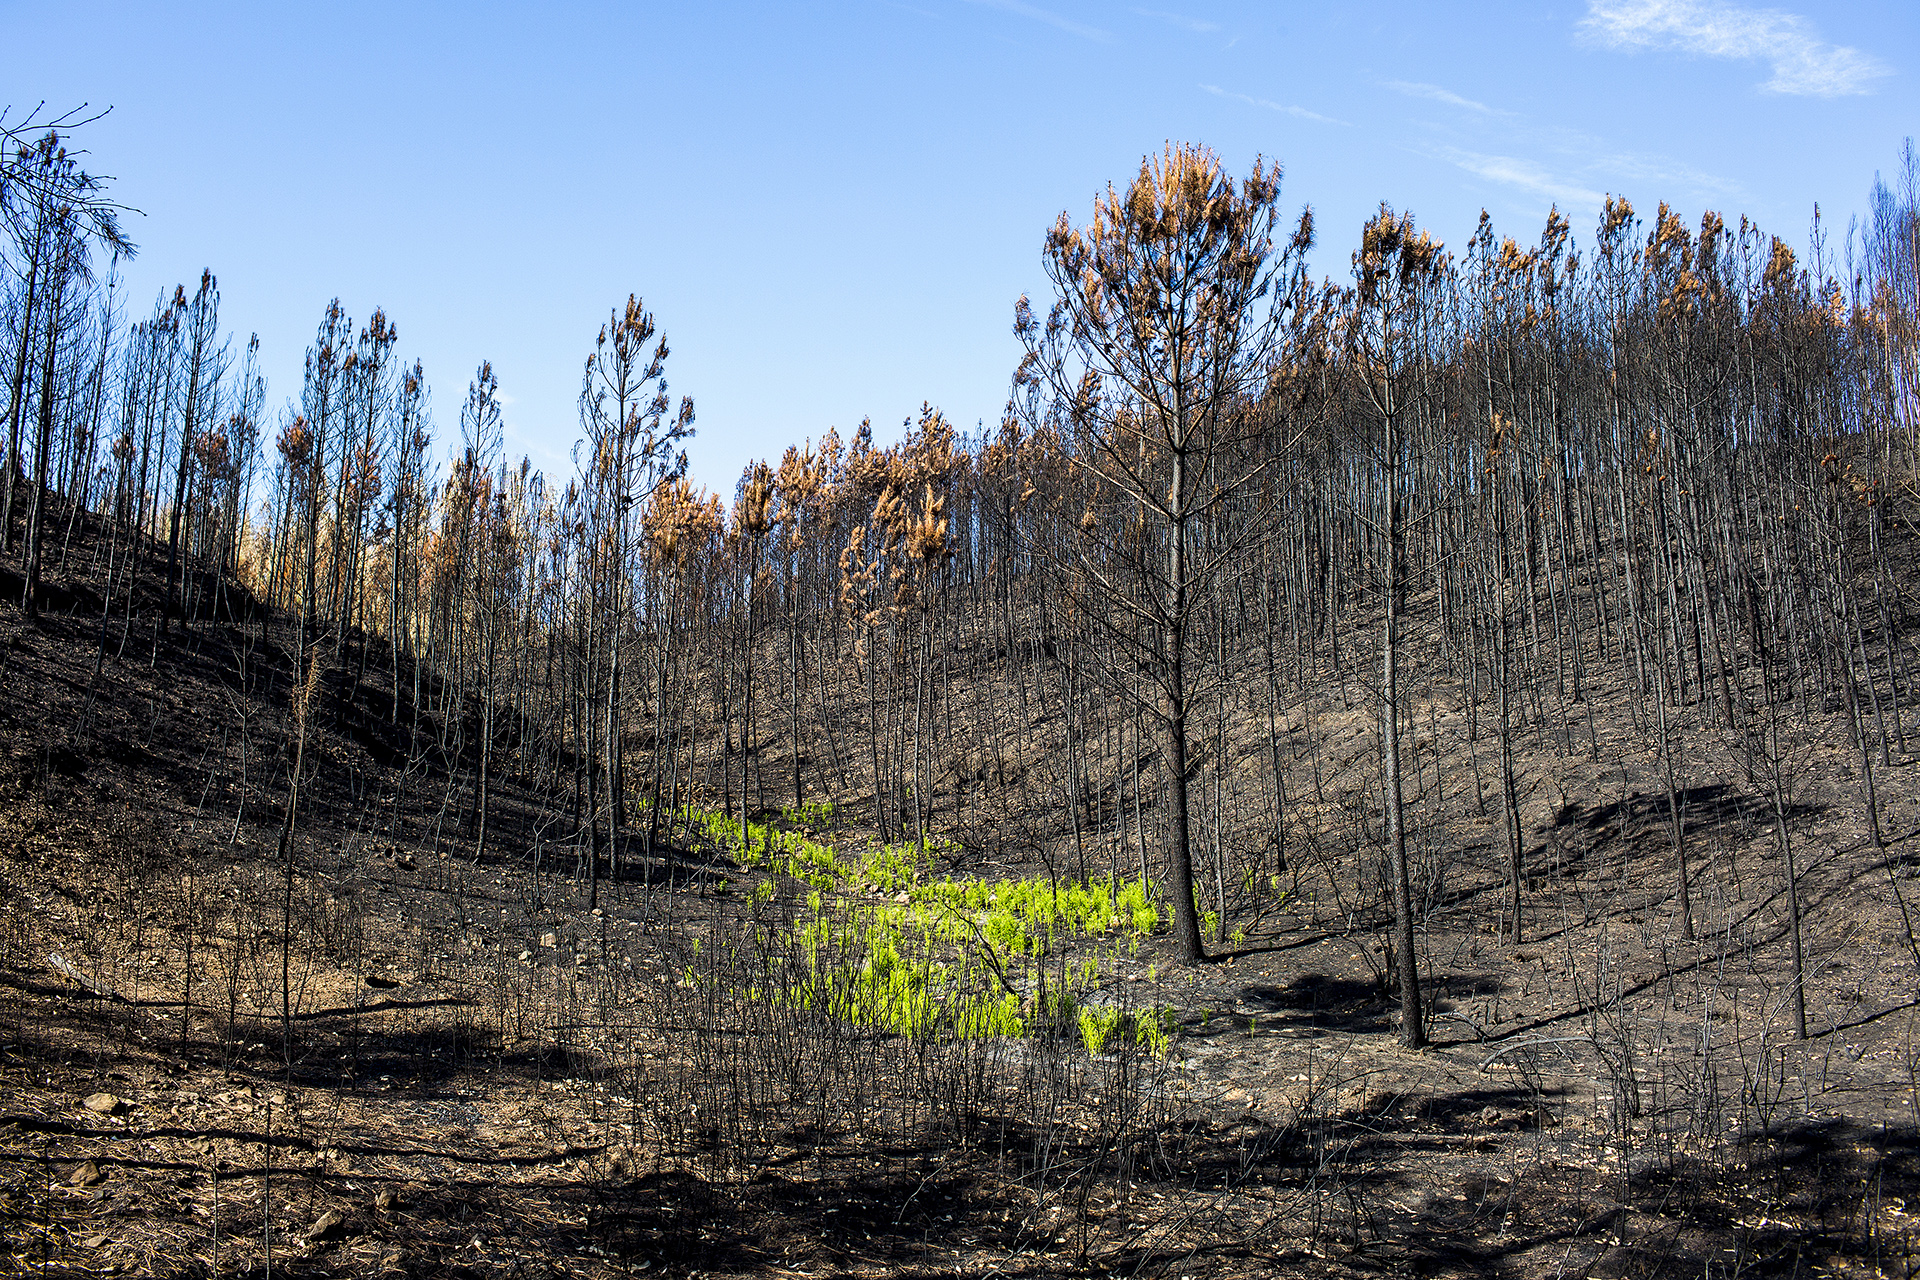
363	1050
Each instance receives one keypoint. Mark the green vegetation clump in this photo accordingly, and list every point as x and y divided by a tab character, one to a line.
886	944
1099	1024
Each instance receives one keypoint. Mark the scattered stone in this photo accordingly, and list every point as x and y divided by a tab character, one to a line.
104	1104
87	1175
93	1242
328	1226
526	956
548	941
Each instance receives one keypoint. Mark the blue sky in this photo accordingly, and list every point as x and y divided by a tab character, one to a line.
831	209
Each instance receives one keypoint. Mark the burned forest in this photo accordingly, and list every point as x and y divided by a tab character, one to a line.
1392	770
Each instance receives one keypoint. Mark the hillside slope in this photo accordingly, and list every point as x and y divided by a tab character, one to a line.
358	1048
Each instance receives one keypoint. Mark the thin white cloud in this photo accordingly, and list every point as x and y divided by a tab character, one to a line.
1300	113
1649	169
1598	160
1435	93
1181	20
1525	174
1049	17
1802	63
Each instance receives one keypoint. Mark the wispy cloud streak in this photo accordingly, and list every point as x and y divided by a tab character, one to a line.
1802	62
1299	113
1181	20
1524	174
1049	17
1434	93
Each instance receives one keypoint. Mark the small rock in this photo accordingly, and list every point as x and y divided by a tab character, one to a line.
549	941
104	1104
87	1175
93	1242
328	1226
525	956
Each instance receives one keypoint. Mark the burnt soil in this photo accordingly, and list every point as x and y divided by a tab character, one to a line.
477	1075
